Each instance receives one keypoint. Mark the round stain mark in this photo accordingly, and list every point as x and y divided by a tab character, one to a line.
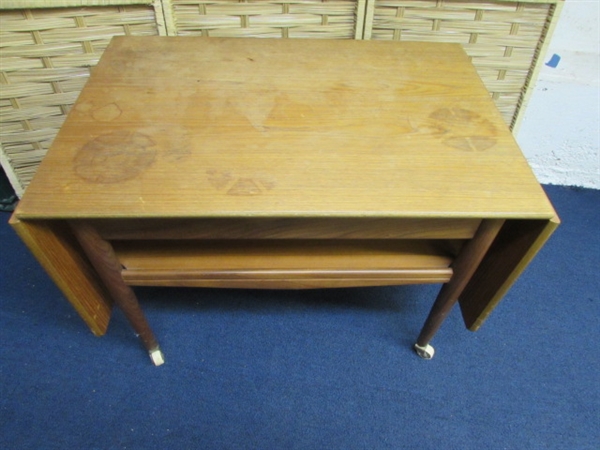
471	143
462	129
107	113
115	157
235	185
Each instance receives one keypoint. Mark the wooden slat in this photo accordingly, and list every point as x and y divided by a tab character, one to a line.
314	254
324	228
291	281
285	263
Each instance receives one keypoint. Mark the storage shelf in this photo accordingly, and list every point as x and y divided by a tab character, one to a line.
285	263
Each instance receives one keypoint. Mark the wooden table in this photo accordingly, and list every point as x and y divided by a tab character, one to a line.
283	164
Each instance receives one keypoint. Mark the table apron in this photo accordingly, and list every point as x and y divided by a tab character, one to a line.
286	228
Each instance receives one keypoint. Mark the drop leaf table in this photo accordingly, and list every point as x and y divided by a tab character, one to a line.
283	164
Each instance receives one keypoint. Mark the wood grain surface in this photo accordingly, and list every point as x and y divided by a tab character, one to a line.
56	250
206	127
290	228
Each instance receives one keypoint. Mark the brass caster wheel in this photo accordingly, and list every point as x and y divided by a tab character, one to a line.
425	352
157	357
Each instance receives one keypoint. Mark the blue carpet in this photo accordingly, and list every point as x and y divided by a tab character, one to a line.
328	369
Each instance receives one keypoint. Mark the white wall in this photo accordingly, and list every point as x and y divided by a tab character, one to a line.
560	132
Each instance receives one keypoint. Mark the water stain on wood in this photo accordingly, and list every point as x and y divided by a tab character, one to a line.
239	185
471	143
115	157
287	113
244	186
173	142
253	107
218	179
107	113
462	129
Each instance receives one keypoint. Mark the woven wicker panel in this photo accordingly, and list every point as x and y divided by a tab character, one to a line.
45	56
330	19
502	38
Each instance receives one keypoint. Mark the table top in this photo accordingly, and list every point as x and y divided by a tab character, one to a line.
211	127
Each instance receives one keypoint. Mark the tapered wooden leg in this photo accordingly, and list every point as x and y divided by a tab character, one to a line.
463	268
104	260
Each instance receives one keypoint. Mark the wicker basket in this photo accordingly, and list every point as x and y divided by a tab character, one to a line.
45	57
329	19
48	46
503	38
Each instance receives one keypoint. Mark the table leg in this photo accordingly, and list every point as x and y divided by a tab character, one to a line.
104	260
463	267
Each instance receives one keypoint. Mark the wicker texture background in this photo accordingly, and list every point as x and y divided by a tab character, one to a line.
502	38
45	56
331	19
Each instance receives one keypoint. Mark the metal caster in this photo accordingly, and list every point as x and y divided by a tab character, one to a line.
425	352
157	357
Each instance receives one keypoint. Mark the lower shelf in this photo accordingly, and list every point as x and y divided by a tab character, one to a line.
286	264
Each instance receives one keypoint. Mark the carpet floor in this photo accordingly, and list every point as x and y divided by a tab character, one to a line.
323	369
